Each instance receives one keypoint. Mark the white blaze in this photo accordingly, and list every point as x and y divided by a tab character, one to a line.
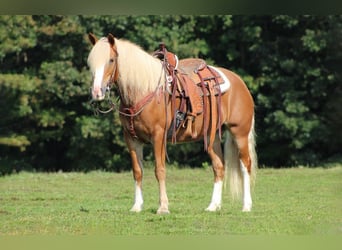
98	77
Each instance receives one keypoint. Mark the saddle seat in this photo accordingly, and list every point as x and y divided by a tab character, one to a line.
191	65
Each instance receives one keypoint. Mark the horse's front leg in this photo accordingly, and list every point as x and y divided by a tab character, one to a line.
136	151
215	154
160	172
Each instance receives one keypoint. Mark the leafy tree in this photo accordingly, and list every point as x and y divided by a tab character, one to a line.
291	64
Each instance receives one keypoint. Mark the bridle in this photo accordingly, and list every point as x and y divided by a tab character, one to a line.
107	89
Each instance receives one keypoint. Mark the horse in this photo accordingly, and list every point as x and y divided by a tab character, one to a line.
147	115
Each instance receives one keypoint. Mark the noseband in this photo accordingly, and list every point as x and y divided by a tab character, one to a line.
96	105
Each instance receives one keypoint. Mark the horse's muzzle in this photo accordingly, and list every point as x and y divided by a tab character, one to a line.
98	94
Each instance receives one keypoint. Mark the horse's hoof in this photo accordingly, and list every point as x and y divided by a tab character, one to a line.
213	208
136	209
163	211
247	209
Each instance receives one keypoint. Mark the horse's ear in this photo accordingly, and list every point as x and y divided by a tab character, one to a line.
111	39
92	38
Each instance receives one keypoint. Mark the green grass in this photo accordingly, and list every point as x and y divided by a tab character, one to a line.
297	201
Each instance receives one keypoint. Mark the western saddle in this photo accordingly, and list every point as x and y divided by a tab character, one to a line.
195	84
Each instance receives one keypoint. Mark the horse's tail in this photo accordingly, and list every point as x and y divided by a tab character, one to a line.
252	154
232	162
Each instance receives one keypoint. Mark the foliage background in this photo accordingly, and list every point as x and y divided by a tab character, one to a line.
291	64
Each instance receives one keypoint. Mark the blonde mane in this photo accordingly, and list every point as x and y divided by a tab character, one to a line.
140	73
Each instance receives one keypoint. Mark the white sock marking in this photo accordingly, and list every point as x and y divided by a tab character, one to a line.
216	199
138	199
247	198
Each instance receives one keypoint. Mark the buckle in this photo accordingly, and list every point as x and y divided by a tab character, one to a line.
169	79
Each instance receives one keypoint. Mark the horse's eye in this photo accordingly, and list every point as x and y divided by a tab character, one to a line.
111	60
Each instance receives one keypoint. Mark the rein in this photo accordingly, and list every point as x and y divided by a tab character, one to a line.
129	111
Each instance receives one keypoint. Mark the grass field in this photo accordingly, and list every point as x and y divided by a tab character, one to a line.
296	201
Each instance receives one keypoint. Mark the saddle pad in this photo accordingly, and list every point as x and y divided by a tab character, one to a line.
226	83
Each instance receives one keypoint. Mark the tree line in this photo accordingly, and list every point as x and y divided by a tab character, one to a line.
291	64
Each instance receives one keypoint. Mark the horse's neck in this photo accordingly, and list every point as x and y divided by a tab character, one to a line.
140	73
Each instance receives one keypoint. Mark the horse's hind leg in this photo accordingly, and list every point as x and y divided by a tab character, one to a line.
246	171
216	157
136	151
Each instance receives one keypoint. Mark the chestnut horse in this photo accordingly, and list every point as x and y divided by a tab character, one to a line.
141	80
